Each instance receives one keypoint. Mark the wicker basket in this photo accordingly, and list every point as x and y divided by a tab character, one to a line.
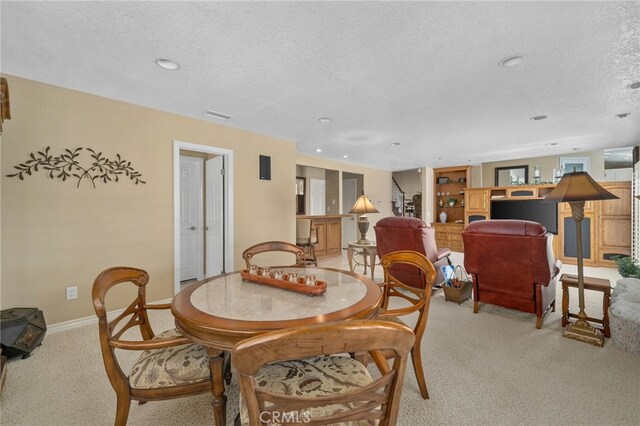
458	294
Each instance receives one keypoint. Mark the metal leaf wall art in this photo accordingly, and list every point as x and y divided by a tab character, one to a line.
67	166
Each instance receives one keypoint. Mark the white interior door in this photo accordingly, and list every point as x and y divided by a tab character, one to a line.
214	217
317	196
191	255
349	195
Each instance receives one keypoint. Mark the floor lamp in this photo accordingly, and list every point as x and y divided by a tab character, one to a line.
575	188
362	207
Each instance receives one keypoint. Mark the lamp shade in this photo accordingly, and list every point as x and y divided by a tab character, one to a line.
363	206
578	186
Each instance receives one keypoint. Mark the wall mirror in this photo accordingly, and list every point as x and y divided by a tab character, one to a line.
512	175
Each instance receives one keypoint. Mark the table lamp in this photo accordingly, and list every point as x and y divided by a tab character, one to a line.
575	188
362	207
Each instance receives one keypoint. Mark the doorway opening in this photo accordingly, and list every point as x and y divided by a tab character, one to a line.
203	212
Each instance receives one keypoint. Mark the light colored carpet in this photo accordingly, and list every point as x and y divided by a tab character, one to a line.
493	367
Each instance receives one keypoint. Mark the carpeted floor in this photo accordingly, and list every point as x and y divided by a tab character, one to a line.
493	367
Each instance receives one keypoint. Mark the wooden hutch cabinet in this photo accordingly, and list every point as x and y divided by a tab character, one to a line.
450	183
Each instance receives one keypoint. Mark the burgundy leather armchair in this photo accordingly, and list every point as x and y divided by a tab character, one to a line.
408	233
512	265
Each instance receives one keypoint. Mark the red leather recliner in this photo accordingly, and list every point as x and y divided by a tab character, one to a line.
408	233
512	265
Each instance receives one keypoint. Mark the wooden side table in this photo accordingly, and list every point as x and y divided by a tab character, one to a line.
369	253
590	283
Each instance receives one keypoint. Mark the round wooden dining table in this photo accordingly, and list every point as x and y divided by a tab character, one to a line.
221	311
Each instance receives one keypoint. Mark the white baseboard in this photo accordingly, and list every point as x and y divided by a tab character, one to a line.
92	319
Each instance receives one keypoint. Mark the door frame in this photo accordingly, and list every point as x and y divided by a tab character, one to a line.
228	204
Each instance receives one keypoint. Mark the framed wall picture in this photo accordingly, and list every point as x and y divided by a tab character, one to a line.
580	164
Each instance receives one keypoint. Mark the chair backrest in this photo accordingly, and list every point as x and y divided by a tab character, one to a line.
305	234
273	246
135	315
406	233
378	400
509	256
419	298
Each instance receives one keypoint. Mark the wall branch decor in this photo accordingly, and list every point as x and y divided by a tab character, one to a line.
67	165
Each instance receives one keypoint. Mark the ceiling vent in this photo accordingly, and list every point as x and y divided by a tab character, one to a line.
219	115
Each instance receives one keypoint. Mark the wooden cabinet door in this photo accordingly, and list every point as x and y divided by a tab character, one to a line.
477	200
334	236
568	243
614	224
621	206
476	204
321	247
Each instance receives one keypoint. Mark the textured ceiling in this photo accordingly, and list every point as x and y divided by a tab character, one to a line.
423	74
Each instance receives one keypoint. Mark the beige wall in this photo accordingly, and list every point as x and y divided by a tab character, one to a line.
377	185
547	165
476	177
55	235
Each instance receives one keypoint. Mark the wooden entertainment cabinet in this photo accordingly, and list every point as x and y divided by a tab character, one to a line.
606	228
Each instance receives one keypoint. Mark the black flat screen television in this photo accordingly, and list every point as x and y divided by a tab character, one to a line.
534	210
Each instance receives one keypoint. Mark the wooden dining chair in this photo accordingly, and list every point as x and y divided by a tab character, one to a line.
287	378
418	300
169	366
307	238
273	246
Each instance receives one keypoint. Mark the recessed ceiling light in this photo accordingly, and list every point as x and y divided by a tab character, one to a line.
623	115
345	156
318	149
324	119
575	149
219	115
167	64
551	144
395	143
635	85
438	158
539	117
512	60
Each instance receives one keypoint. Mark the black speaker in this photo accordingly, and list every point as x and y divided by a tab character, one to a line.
22	331
265	167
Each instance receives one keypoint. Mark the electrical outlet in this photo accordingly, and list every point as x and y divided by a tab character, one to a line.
72	293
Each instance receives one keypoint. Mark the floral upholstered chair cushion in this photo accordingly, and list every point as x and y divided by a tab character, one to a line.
317	376
173	366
